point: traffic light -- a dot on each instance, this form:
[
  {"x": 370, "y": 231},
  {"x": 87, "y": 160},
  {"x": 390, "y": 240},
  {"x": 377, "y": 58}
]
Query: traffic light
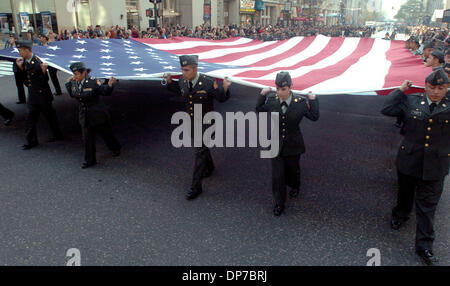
[
  {"x": 149, "y": 13},
  {"x": 155, "y": 1}
]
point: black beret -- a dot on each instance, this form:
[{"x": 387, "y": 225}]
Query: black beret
[
  {"x": 78, "y": 66},
  {"x": 428, "y": 45},
  {"x": 438, "y": 77},
  {"x": 439, "y": 44},
  {"x": 188, "y": 60},
  {"x": 283, "y": 79},
  {"x": 24, "y": 44},
  {"x": 438, "y": 54}
]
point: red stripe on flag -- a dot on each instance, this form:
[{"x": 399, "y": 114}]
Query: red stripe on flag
[
  {"x": 333, "y": 45},
  {"x": 289, "y": 53},
  {"x": 235, "y": 56},
  {"x": 409, "y": 91},
  {"x": 402, "y": 61},
  {"x": 317, "y": 76}
]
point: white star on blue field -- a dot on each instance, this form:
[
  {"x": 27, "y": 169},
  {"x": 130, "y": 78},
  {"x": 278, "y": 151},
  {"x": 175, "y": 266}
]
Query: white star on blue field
[{"x": 114, "y": 57}]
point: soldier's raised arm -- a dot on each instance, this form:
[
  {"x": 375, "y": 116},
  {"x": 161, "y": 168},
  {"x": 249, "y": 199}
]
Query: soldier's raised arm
[
  {"x": 262, "y": 99},
  {"x": 395, "y": 103},
  {"x": 171, "y": 84},
  {"x": 313, "y": 107},
  {"x": 221, "y": 93}
]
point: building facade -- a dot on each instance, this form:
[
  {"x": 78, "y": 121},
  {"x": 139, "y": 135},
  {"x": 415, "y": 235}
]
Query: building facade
[{"x": 42, "y": 15}]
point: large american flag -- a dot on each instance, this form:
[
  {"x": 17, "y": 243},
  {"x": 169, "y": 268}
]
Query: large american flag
[{"x": 323, "y": 65}]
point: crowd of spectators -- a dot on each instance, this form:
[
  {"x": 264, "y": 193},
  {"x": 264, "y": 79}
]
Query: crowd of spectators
[{"x": 263, "y": 33}]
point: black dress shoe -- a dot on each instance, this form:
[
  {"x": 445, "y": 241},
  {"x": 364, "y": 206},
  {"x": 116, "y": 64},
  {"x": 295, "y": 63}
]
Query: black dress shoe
[
  {"x": 57, "y": 93},
  {"x": 54, "y": 139},
  {"x": 278, "y": 210},
  {"x": 9, "y": 120},
  {"x": 396, "y": 224},
  {"x": 427, "y": 257},
  {"x": 87, "y": 165},
  {"x": 20, "y": 102},
  {"x": 116, "y": 153},
  {"x": 193, "y": 193},
  {"x": 293, "y": 193},
  {"x": 29, "y": 146}
]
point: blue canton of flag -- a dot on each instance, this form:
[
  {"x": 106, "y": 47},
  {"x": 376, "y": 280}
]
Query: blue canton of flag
[{"x": 122, "y": 59}]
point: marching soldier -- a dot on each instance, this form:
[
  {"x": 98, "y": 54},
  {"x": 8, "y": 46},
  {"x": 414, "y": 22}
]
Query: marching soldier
[
  {"x": 18, "y": 74},
  {"x": 423, "y": 157},
  {"x": 292, "y": 108},
  {"x": 7, "y": 115},
  {"x": 435, "y": 59},
  {"x": 19, "y": 78},
  {"x": 93, "y": 114},
  {"x": 39, "y": 95},
  {"x": 427, "y": 49},
  {"x": 200, "y": 89},
  {"x": 51, "y": 70}
]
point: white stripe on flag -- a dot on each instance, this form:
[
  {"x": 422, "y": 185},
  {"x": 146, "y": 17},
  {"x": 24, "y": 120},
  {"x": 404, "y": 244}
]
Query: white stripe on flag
[
  {"x": 346, "y": 49},
  {"x": 251, "y": 59},
  {"x": 368, "y": 73},
  {"x": 317, "y": 46},
  {"x": 228, "y": 51}
]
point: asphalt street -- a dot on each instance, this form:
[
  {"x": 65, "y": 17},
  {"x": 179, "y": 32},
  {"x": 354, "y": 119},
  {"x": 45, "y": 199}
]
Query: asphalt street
[{"x": 131, "y": 210}]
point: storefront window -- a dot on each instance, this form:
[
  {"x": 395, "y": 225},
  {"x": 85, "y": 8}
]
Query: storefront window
[
  {"x": 37, "y": 16},
  {"x": 247, "y": 10},
  {"x": 84, "y": 14},
  {"x": 25, "y": 18},
  {"x": 132, "y": 7},
  {"x": 46, "y": 16},
  {"x": 246, "y": 20},
  {"x": 6, "y": 21}
]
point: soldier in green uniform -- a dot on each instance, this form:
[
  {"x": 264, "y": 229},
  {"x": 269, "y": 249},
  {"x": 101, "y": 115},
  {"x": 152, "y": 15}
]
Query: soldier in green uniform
[
  {"x": 39, "y": 94},
  {"x": 93, "y": 114},
  {"x": 198, "y": 89},
  {"x": 423, "y": 157},
  {"x": 291, "y": 108}
]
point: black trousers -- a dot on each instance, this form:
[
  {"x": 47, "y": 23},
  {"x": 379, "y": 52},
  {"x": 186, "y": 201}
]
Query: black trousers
[
  {"x": 20, "y": 87},
  {"x": 105, "y": 131},
  {"x": 53, "y": 75},
  {"x": 203, "y": 163},
  {"x": 426, "y": 195},
  {"x": 285, "y": 172},
  {"x": 34, "y": 111},
  {"x": 5, "y": 112}
]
